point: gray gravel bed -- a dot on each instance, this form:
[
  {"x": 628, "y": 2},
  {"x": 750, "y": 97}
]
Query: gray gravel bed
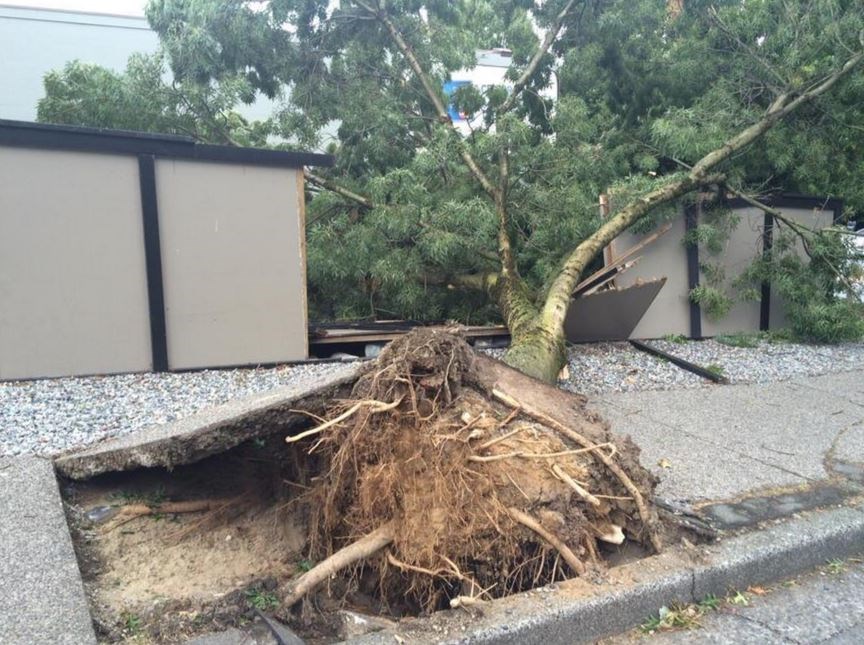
[
  {"x": 52, "y": 415},
  {"x": 601, "y": 368},
  {"x": 619, "y": 367},
  {"x": 768, "y": 362}
]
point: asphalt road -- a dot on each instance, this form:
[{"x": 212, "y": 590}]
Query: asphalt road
[{"x": 824, "y": 606}]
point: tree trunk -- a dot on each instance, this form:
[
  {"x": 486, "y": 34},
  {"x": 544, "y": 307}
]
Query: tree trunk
[
  {"x": 536, "y": 349},
  {"x": 538, "y": 352}
]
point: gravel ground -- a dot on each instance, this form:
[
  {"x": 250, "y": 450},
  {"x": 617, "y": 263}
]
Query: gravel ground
[
  {"x": 768, "y": 361},
  {"x": 53, "y": 415},
  {"x": 619, "y": 367},
  {"x": 600, "y": 368}
]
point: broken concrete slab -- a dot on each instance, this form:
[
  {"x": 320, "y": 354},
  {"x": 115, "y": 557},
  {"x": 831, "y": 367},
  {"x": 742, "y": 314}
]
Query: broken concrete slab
[
  {"x": 208, "y": 432},
  {"x": 43, "y": 599},
  {"x": 754, "y": 510}
]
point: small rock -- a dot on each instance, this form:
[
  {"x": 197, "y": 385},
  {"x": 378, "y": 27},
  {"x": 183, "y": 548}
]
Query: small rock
[{"x": 353, "y": 624}]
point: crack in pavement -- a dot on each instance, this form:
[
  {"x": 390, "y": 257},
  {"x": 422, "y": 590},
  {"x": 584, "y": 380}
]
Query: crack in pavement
[
  {"x": 776, "y": 632},
  {"x": 716, "y": 444},
  {"x": 828, "y": 458},
  {"x": 826, "y": 391}
]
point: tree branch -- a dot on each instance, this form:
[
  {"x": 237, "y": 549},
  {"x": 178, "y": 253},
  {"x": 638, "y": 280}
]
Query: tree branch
[
  {"x": 760, "y": 60},
  {"x": 505, "y": 248},
  {"x": 431, "y": 92},
  {"x": 497, "y": 193},
  {"x": 339, "y": 190},
  {"x": 558, "y": 297},
  {"x": 528, "y": 72},
  {"x": 804, "y": 234}
]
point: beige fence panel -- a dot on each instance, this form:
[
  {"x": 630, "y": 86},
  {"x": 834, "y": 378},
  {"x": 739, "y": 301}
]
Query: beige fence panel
[
  {"x": 127, "y": 252},
  {"x": 73, "y": 296},
  {"x": 231, "y": 263},
  {"x": 668, "y": 257}
]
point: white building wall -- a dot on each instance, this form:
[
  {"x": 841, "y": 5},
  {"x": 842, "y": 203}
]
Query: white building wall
[{"x": 34, "y": 42}]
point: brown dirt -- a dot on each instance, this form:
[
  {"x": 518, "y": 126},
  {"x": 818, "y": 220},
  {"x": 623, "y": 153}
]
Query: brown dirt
[
  {"x": 180, "y": 573},
  {"x": 422, "y": 465}
]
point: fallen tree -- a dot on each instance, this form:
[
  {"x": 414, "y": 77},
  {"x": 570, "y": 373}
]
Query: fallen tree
[
  {"x": 448, "y": 477},
  {"x": 424, "y": 218}
]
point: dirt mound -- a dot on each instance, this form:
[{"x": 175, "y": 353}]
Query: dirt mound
[{"x": 437, "y": 487}]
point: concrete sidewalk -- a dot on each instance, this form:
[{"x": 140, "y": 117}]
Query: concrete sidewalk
[
  {"x": 722, "y": 442},
  {"x": 825, "y": 606}
]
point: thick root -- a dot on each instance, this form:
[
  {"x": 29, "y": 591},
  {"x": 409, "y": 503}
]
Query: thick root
[{"x": 351, "y": 554}]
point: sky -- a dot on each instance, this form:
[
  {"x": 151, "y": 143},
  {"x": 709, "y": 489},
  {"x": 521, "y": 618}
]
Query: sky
[{"x": 120, "y": 7}]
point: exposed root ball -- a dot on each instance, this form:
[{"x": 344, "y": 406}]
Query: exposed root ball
[{"x": 482, "y": 497}]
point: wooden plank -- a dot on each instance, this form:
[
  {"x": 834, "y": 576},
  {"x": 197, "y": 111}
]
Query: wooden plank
[
  {"x": 301, "y": 220},
  {"x": 353, "y": 335},
  {"x": 621, "y": 259}
]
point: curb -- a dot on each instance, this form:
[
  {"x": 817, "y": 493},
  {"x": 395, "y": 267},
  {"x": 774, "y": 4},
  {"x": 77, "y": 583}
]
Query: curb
[
  {"x": 580, "y": 611},
  {"x": 43, "y": 599}
]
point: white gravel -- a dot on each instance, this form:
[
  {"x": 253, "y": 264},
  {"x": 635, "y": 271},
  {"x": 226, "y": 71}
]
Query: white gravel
[
  {"x": 52, "y": 415},
  {"x": 619, "y": 367},
  {"x": 768, "y": 361},
  {"x": 600, "y": 368}
]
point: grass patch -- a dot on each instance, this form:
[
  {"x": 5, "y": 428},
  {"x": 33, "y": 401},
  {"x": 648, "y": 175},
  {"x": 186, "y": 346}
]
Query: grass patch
[
  {"x": 132, "y": 623},
  {"x": 739, "y": 598},
  {"x": 678, "y": 339},
  {"x": 305, "y": 565},
  {"x": 262, "y": 600},
  {"x": 716, "y": 370},
  {"x": 748, "y": 341},
  {"x": 150, "y": 498},
  {"x": 680, "y": 616}
]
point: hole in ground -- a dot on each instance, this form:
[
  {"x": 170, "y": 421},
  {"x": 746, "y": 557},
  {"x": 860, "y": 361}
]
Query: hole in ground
[{"x": 173, "y": 576}]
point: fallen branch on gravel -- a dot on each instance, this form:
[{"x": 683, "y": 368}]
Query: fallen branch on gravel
[
  {"x": 375, "y": 408},
  {"x": 529, "y": 522},
  {"x": 363, "y": 548},
  {"x": 614, "y": 468}
]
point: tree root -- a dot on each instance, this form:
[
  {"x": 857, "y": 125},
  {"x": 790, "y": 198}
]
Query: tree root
[
  {"x": 572, "y": 483},
  {"x": 529, "y": 522},
  {"x": 614, "y": 468},
  {"x": 360, "y": 550},
  {"x": 129, "y": 512},
  {"x": 376, "y": 407}
]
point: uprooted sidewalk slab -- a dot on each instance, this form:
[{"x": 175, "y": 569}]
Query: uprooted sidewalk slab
[
  {"x": 208, "y": 432},
  {"x": 731, "y": 442}
]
